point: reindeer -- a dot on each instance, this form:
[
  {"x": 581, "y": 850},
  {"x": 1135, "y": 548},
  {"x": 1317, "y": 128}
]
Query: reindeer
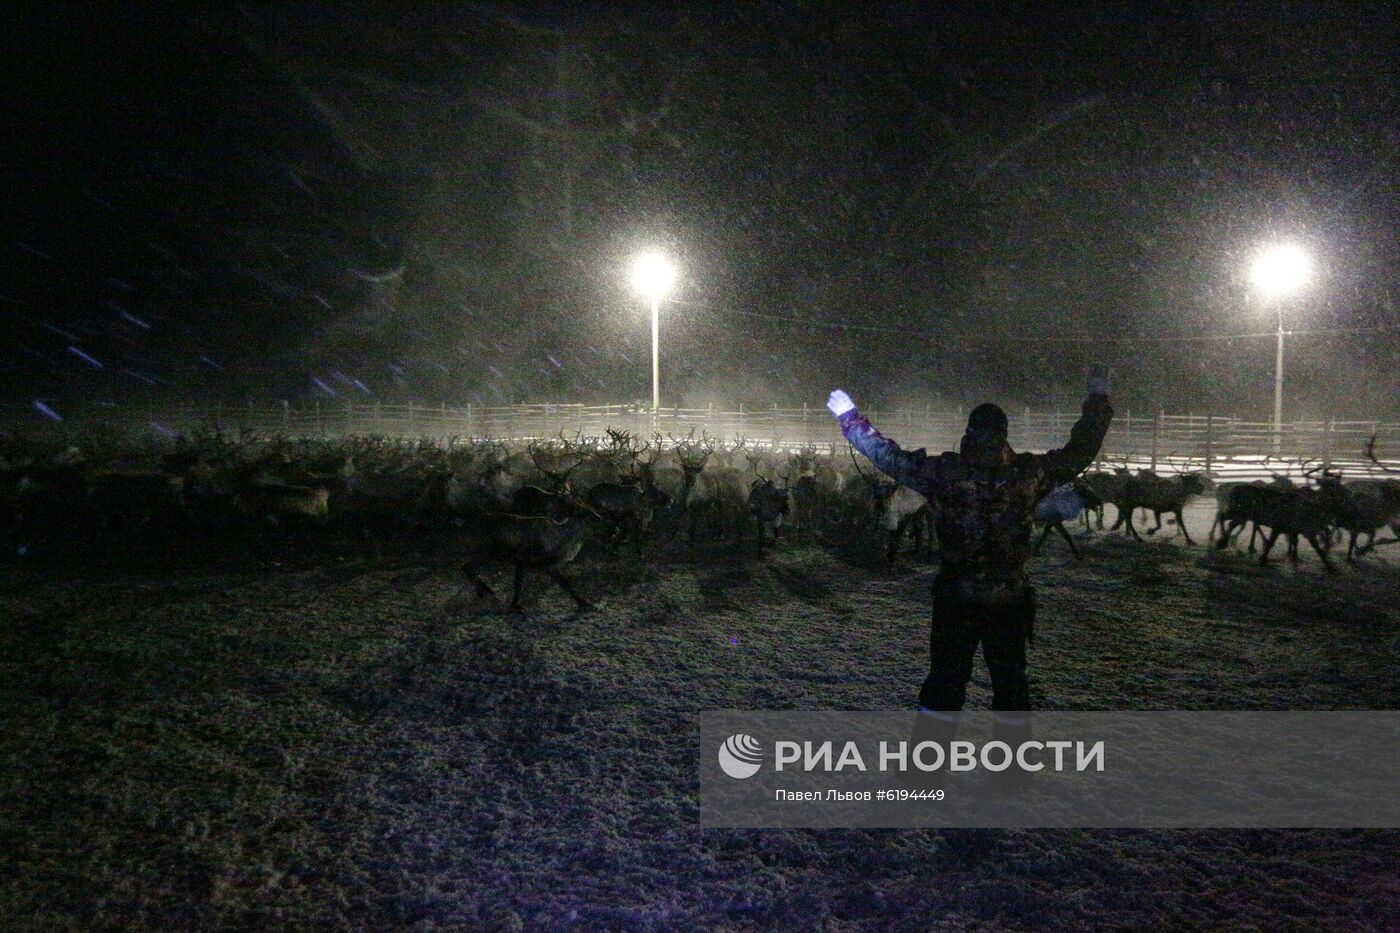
[
  {"x": 660, "y": 480},
  {"x": 720, "y": 492},
  {"x": 696, "y": 495},
  {"x": 609, "y": 462},
  {"x": 538, "y": 500},
  {"x": 274, "y": 504},
  {"x": 768, "y": 504},
  {"x": 806, "y": 502},
  {"x": 134, "y": 502},
  {"x": 1224, "y": 495},
  {"x": 48, "y": 496},
  {"x": 816, "y": 485},
  {"x": 1064, "y": 504},
  {"x": 543, "y": 543},
  {"x": 628, "y": 504},
  {"x": 897, "y": 509},
  {"x": 1371, "y": 505},
  {"x": 1161, "y": 495},
  {"x": 1309, "y": 513},
  {"x": 1293, "y": 512},
  {"x": 1106, "y": 488},
  {"x": 483, "y": 481}
]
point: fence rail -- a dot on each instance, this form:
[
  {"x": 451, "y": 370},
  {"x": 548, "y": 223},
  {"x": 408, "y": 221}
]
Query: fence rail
[{"x": 1248, "y": 449}]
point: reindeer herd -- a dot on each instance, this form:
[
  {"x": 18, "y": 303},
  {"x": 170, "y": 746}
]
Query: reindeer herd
[
  {"x": 534, "y": 507},
  {"x": 1317, "y": 509}
]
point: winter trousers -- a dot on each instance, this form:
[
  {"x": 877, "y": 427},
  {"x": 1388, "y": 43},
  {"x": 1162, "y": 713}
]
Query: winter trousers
[{"x": 1003, "y": 628}]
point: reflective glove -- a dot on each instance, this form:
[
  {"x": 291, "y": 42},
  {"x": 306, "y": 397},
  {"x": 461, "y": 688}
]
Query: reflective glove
[
  {"x": 839, "y": 403},
  {"x": 1098, "y": 379}
]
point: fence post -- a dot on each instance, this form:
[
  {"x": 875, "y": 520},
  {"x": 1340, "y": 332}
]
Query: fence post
[
  {"x": 1156, "y": 427},
  {"x": 1327, "y": 445},
  {"x": 1210, "y": 441}
]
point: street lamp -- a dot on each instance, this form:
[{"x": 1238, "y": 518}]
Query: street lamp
[
  {"x": 1278, "y": 272},
  {"x": 653, "y": 275}
]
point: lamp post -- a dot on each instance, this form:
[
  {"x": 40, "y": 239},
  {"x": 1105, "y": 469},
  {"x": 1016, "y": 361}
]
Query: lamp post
[
  {"x": 653, "y": 275},
  {"x": 1278, "y": 272}
]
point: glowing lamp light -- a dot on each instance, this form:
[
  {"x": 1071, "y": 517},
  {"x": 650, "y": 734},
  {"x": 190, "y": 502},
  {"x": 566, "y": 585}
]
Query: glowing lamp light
[
  {"x": 1280, "y": 270},
  {"x": 653, "y": 275}
]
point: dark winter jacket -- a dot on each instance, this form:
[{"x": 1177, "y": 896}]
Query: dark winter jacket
[{"x": 984, "y": 507}]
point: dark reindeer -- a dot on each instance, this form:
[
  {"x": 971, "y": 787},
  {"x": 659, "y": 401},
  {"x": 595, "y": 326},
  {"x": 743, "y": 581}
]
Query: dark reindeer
[{"x": 898, "y": 509}]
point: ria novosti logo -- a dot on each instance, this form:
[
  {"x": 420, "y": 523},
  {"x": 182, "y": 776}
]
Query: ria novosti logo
[{"x": 740, "y": 756}]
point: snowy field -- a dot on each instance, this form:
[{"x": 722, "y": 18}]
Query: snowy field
[{"x": 343, "y": 739}]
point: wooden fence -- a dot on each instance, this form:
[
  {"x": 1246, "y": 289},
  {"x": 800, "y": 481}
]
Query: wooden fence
[{"x": 1248, "y": 449}]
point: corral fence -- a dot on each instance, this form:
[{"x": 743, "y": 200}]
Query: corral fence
[{"x": 1218, "y": 443}]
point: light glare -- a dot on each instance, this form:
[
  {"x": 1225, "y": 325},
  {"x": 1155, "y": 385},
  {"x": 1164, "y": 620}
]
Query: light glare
[
  {"x": 1280, "y": 270},
  {"x": 653, "y": 275}
]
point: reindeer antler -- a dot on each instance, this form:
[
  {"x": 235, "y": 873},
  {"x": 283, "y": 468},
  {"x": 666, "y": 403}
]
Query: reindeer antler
[
  {"x": 692, "y": 454},
  {"x": 1371, "y": 455},
  {"x": 852, "y": 450},
  {"x": 621, "y": 441}
]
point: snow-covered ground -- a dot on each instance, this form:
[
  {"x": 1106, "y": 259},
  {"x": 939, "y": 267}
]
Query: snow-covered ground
[{"x": 340, "y": 739}]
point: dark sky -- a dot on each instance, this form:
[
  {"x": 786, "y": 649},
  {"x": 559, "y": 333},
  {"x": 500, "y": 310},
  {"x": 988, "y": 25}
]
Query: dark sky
[{"x": 367, "y": 202}]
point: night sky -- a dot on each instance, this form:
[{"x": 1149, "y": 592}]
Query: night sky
[{"x": 356, "y": 201}]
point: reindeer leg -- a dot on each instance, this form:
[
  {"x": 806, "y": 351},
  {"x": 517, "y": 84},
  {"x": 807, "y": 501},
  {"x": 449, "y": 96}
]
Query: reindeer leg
[
  {"x": 1181, "y": 524},
  {"x": 1131, "y": 529},
  {"x": 1254, "y": 532},
  {"x": 1158, "y": 526},
  {"x": 895, "y": 537},
  {"x": 518, "y": 589},
  {"x": 1060, "y": 527},
  {"x": 1269, "y": 540},
  {"x": 558, "y": 577},
  {"x": 1223, "y": 541},
  {"x": 1041, "y": 543},
  {"x": 481, "y": 588},
  {"x": 1231, "y": 532},
  {"x": 1322, "y": 553}
]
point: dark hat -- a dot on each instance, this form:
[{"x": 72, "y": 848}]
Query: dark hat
[{"x": 987, "y": 417}]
